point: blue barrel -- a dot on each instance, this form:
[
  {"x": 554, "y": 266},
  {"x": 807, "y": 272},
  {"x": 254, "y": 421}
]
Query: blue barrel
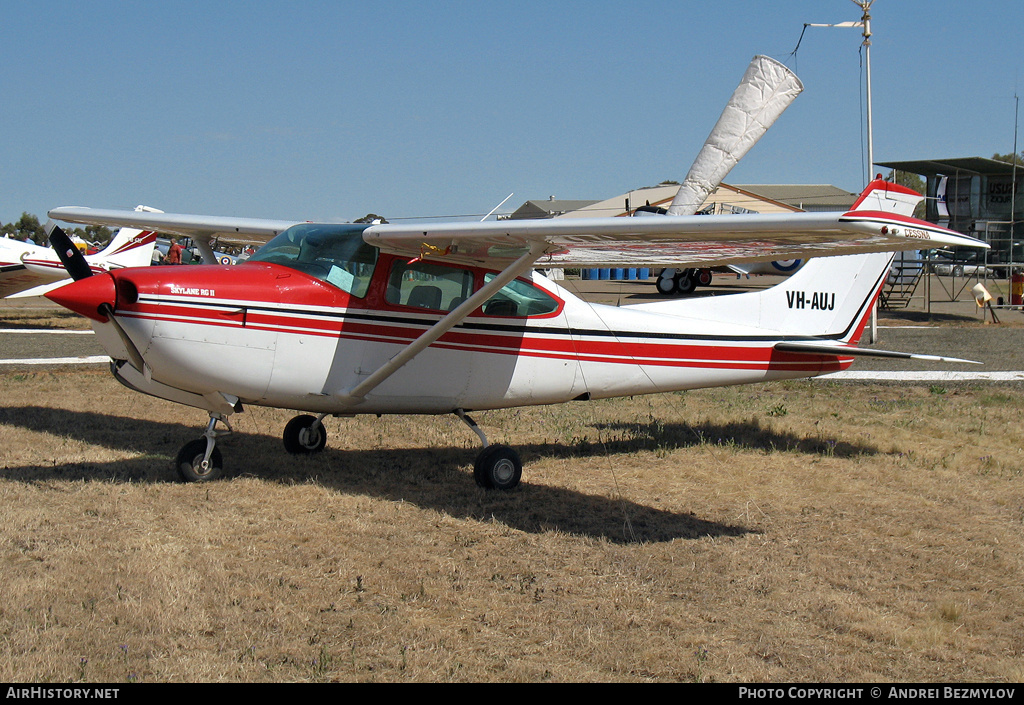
[
  {"x": 631, "y": 274},
  {"x": 587, "y": 274},
  {"x": 644, "y": 273},
  {"x": 604, "y": 273},
  {"x": 618, "y": 273}
]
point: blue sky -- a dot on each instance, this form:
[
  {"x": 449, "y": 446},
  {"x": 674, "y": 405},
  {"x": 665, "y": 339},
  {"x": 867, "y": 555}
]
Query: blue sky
[{"x": 330, "y": 110}]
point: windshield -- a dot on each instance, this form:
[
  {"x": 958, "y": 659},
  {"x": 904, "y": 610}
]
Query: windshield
[{"x": 334, "y": 253}]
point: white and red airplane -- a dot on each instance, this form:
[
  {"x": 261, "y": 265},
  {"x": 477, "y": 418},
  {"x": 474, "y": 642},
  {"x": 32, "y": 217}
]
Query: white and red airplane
[
  {"x": 27, "y": 269},
  {"x": 439, "y": 318}
]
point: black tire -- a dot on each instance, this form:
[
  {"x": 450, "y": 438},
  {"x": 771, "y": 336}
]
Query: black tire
[
  {"x": 304, "y": 435},
  {"x": 666, "y": 285},
  {"x": 190, "y": 459},
  {"x": 498, "y": 468},
  {"x": 686, "y": 282}
]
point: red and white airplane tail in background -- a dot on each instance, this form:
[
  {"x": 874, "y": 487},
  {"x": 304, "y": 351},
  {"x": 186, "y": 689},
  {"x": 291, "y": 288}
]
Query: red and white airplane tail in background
[
  {"x": 130, "y": 247},
  {"x": 42, "y": 272}
]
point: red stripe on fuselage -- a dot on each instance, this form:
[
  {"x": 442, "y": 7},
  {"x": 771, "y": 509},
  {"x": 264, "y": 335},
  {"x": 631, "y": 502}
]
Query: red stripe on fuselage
[
  {"x": 240, "y": 297},
  {"x": 535, "y": 343}
]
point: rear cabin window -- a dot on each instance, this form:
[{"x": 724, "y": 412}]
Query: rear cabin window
[
  {"x": 436, "y": 287},
  {"x": 439, "y": 287}
]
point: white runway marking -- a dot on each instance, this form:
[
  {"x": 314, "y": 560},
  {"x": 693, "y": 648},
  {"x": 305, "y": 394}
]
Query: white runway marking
[
  {"x": 47, "y": 330},
  {"x": 926, "y": 376},
  {"x": 92, "y": 359}
]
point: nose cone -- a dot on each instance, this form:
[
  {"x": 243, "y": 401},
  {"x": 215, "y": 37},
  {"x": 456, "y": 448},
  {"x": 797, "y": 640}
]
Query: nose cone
[{"x": 85, "y": 296}]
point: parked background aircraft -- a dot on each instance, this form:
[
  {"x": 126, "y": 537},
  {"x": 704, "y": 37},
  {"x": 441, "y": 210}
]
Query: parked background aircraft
[
  {"x": 26, "y": 269},
  {"x": 685, "y": 280}
]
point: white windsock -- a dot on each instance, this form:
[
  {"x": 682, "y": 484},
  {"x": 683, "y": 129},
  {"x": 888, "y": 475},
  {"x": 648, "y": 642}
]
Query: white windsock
[{"x": 765, "y": 92}]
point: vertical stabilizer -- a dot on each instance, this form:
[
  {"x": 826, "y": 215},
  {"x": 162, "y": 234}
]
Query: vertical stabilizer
[
  {"x": 883, "y": 196},
  {"x": 130, "y": 247}
]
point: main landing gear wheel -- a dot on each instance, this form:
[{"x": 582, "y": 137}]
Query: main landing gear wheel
[
  {"x": 305, "y": 435},
  {"x": 681, "y": 281},
  {"x": 193, "y": 466},
  {"x": 666, "y": 285},
  {"x": 498, "y": 468},
  {"x": 686, "y": 282}
]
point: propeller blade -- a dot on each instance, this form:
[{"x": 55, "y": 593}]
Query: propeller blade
[{"x": 70, "y": 256}]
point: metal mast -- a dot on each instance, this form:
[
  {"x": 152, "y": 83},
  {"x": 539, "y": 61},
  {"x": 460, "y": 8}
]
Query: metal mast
[
  {"x": 865, "y": 6},
  {"x": 865, "y": 24}
]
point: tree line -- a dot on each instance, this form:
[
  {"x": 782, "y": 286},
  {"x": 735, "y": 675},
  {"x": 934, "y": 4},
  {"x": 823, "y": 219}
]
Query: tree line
[{"x": 28, "y": 228}]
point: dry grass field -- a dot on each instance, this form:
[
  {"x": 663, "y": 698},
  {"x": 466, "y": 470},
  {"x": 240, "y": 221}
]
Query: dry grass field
[{"x": 807, "y": 531}]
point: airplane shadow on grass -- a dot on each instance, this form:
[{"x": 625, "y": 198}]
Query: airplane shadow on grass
[{"x": 435, "y": 478}]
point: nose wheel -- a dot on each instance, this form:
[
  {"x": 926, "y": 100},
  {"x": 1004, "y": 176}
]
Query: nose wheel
[
  {"x": 200, "y": 460},
  {"x": 194, "y": 466}
]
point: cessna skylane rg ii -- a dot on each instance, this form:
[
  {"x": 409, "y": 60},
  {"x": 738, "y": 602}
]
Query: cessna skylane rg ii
[
  {"x": 26, "y": 269},
  {"x": 349, "y": 319},
  {"x": 450, "y": 318}
]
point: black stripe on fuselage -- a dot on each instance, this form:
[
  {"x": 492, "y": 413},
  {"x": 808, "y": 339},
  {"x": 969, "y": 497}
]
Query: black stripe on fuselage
[{"x": 520, "y": 329}]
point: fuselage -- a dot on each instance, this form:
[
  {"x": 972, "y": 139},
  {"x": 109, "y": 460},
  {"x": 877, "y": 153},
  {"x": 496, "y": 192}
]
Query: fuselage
[{"x": 317, "y": 311}]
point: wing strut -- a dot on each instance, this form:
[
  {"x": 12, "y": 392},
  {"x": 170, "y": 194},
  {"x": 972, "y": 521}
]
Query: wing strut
[{"x": 455, "y": 317}]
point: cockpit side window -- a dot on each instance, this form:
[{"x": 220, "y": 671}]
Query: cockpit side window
[
  {"x": 519, "y": 299},
  {"x": 333, "y": 253}
]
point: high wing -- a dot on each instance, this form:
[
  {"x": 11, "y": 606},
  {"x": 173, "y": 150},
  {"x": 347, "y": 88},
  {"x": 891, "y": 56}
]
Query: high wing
[
  {"x": 668, "y": 240},
  {"x": 592, "y": 242},
  {"x": 203, "y": 229}
]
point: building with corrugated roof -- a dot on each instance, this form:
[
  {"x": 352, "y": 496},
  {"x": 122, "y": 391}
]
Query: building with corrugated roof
[
  {"x": 805, "y": 197},
  {"x": 551, "y": 208},
  {"x": 727, "y": 198}
]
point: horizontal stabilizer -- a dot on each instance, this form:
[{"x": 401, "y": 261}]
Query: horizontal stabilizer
[{"x": 829, "y": 349}]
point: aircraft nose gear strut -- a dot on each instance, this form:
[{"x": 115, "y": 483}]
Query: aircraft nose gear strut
[
  {"x": 200, "y": 460},
  {"x": 497, "y": 467}
]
